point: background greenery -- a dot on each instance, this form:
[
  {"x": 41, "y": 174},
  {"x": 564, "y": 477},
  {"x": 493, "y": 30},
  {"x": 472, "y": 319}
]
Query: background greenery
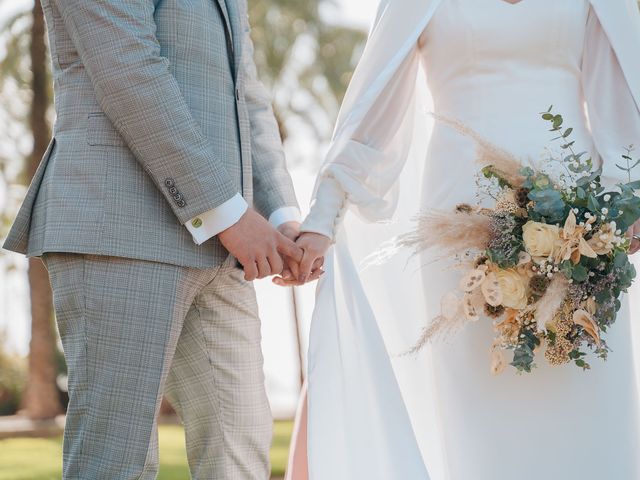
[{"x": 17, "y": 455}]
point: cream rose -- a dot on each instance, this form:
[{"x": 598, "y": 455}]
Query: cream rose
[
  {"x": 540, "y": 239},
  {"x": 513, "y": 287}
]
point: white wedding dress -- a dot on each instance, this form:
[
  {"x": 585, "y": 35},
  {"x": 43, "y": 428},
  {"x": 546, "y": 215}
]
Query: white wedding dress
[{"x": 493, "y": 66}]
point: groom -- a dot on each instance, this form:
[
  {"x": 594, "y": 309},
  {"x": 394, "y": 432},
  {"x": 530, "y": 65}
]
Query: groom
[{"x": 165, "y": 164}]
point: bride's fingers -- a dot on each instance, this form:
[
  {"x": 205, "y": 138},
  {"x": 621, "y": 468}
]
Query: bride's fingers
[
  {"x": 305, "y": 266},
  {"x": 319, "y": 263},
  {"x": 315, "y": 275},
  {"x": 283, "y": 282}
]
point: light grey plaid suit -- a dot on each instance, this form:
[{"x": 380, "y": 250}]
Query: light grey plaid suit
[{"x": 160, "y": 118}]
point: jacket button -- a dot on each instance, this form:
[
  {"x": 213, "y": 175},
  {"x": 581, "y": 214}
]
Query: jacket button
[
  {"x": 181, "y": 203},
  {"x": 169, "y": 182},
  {"x": 177, "y": 197},
  {"x": 173, "y": 190},
  {"x": 196, "y": 222}
]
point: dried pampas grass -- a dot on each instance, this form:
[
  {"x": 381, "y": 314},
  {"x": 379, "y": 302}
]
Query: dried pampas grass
[
  {"x": 450, "y": 320},
  {"x": 451, "y": 233},
  {"x": 503, "y": 163},
  {"x": 550, "y": 303}
]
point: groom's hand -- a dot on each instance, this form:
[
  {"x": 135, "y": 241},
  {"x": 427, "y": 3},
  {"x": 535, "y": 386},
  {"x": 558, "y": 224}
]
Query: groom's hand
[
  {"x": 291, "y": 230},
  {"x": 258, "y": 246}
]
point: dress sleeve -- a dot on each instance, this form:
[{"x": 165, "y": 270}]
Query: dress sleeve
[
  {"x": 613, "y": 113},
  {"x": 371, "y": 161}
]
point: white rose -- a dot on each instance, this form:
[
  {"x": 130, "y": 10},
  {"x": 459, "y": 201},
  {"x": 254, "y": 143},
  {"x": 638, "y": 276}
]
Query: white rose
[
  {"x": 513, "y": 288},
  {"x": 540, "y": 239}
]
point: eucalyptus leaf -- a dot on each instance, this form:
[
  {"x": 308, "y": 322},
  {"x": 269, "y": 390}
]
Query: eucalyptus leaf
[
  {"x": 548, "y": 203},
  {"x": 593, "y": 203},
  {"x": 630, "y": 206},
  {"x": 580, "y": 273}
]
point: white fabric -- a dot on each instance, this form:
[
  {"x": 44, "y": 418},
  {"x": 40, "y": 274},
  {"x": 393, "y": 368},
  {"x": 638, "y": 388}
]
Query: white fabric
[
  {"x": 285, "y": 215},
  {"x": 211, "y": 223},
  {"x": 494, "y": 66},
  {"x": 328, "y": 212}
]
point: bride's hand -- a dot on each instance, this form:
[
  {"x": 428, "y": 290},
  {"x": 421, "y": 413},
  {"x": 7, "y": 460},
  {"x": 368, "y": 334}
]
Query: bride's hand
[
  {"x": 314, "y": 246},
  {"x": 634, "y": 231}
]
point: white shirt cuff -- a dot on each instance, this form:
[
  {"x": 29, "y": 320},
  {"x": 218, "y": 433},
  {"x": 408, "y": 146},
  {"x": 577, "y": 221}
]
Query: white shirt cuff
[
  {"x": 284, "y": 215},
  {"x": 211, "y": 223}
]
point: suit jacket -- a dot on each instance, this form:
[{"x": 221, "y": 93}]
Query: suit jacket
[{"x": 160, "y": 118}]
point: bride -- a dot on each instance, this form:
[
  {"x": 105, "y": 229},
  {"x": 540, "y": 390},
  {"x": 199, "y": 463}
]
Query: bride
[{"x": 492, "y": 65}]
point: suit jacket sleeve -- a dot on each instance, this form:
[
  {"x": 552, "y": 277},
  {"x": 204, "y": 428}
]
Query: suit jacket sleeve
[
  {"x": 116, "y": 42},
  {"x": 272, "y": 185}
]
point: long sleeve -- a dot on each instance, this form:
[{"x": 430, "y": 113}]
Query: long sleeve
[
  {"x": 137, "y": 92},
  {"x": 218, "y": 219},
  {"x": 371, "y": 161},
  {"x": 272, "y": 185},
  {"x": 613, "y": 113}
]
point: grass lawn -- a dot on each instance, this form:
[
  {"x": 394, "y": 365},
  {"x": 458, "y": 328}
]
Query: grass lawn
[{"x": 41, "y": 458}]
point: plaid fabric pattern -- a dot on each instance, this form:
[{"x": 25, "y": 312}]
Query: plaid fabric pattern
[
  {"x": 160, "y": 117},
  {"x": 129, "y": 329}
]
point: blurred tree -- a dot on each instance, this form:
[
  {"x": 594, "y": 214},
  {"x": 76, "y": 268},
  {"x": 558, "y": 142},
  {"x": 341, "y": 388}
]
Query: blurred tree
[
  {"x": 305, "y": 61},
  {"x": 41, "y": 398},
  {"x": 24, "y": 76}
]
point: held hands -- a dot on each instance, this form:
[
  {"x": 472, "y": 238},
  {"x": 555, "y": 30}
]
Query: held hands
[
  {"x": 264, "y": 251},
  {"x": 261, "y": 249},
  {"x": 309, "y": 269}
]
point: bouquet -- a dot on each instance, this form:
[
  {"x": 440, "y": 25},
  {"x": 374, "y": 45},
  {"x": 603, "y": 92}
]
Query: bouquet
[{"x": 547, "y": 263}]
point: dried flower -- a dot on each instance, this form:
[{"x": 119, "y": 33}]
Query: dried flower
[
  {"x": 604, "y": 239},
  {"x": 548, "y": 306},
  {"x": 522, "y": 197},
  {"x": 538, "y": 285},
  {"x": 493, "y": 312},
  {"x": 498, "y": 361},
  {"x": 558, "y": 353},
  {"x": 503, "y": 163},
  {"x": 572, "y": 243}
]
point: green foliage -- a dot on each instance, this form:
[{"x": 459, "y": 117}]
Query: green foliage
[
  {"x": 17, "y": 455},
  {"x": 506, "y": 243},
  {"x": 13, "y": 375},
  {"x": 524, "y": 352},
  {"x": 549, "y": 205},
  {"x": 305, "y": 61}
]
